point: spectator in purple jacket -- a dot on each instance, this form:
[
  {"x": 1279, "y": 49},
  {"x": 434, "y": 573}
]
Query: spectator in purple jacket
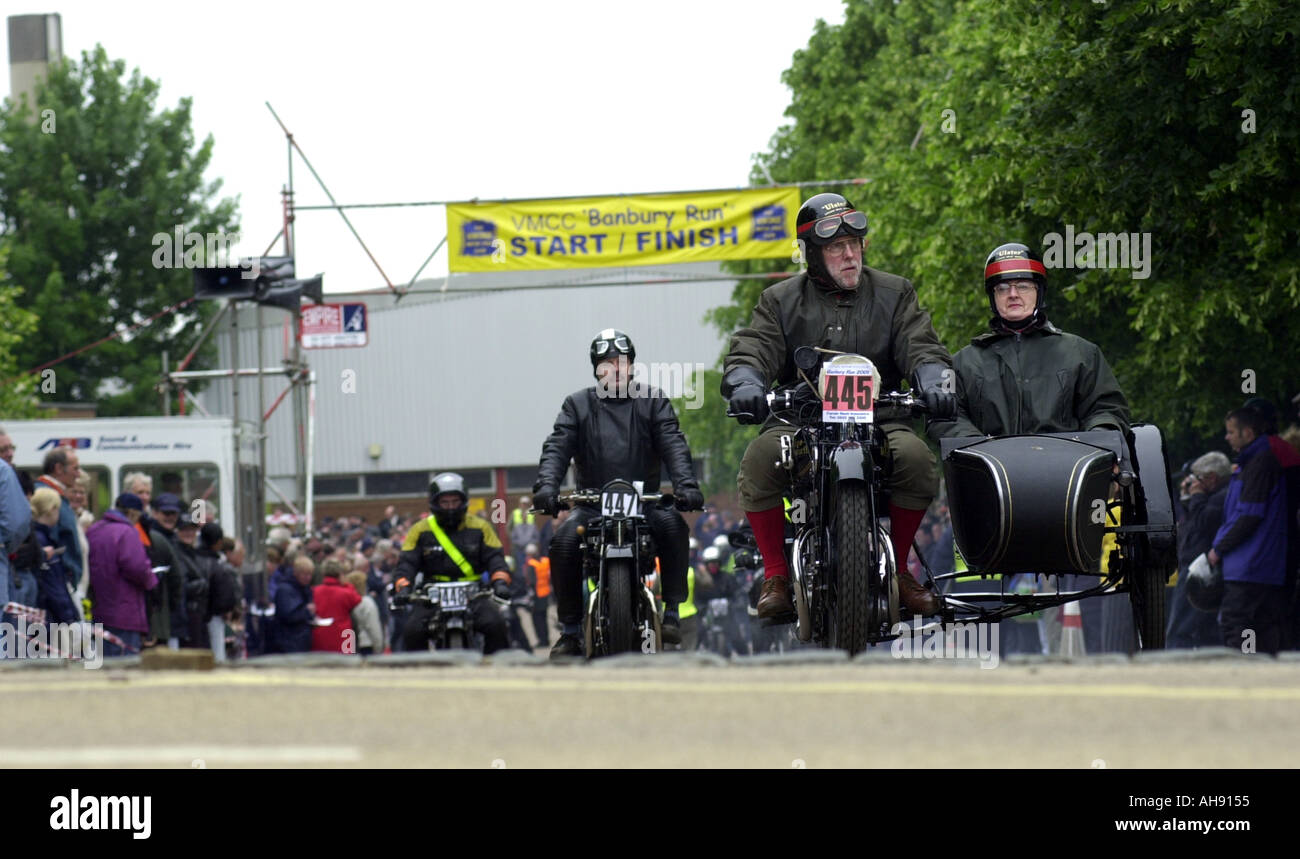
[
  {"x": 120, "y": 573},
  {"x": 1251, "y": 542}
]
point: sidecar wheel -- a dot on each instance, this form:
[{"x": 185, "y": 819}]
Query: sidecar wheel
[{"x": 1147, "y": 596}]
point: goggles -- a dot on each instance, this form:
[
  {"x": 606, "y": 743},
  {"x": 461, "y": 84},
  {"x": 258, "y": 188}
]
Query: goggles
[
  {"x": 619, "y": 345},
  {"x": 825, "y": 228}
]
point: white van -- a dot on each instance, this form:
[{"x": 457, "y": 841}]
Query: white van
[{"x": 192, "y": 457}]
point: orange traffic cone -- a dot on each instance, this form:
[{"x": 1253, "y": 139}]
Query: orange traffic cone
[{"x": 1072, "y": 630}]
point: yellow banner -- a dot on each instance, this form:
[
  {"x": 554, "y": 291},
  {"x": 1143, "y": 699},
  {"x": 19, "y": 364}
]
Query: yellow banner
[{"x": 645, "y": 229}]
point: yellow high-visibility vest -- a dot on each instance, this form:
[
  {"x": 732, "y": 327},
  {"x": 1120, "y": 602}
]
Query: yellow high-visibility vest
[{"x": 688, "y": 609}]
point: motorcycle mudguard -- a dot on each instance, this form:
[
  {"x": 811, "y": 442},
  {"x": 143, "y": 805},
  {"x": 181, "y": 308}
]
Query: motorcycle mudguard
[
  {"x": 619, "y": 552},
  {"x": 849, "y": 461},
  {"x": 1153, "y": 477}
]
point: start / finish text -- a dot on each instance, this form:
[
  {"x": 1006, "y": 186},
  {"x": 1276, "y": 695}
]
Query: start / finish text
[{"x": 639, "y": 242}]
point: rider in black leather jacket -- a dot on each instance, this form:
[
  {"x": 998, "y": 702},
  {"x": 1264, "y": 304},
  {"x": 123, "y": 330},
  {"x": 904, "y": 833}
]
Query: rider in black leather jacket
[{"x": 616, "y": 429}]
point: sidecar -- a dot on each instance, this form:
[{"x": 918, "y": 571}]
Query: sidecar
[{"x": 1043, "y": 504}]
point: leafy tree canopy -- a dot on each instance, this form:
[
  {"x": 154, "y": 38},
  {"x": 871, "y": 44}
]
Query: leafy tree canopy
[{"x": 88, "y": 179}]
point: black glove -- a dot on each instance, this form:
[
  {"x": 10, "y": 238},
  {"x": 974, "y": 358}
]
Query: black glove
[
  {"x": 547, "y": 499},
  {"x": 501, "y": 589},
  {"x": 746, "y": 395},
  {"x": 688, "y": 499},
  {"x": 937, "y": 387}
]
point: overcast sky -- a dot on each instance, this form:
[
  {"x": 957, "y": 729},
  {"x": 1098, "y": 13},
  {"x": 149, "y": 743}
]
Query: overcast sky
[{"x": 451, "y": 101}]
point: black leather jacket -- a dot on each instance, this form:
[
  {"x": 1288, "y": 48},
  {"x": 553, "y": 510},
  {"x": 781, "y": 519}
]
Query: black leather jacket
[{"x": 632, "y": 438}]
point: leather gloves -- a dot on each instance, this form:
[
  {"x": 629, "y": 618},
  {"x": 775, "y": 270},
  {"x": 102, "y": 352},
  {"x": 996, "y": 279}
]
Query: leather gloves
[
  {"x": 746, "y": 393},
  {"x": 547, "y": 499},
  {"x": 937, "y": 387},
  {"x": 689, "y": 499}
]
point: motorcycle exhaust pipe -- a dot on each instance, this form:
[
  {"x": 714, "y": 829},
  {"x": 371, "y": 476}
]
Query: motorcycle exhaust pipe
[{"x": 803, "y": 631}]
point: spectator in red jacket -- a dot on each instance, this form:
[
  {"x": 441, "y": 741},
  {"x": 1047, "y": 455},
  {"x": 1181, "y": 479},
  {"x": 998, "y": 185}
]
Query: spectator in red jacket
[
  {"x": 120, "y": 573},
  {"x": 334, "y": 599}
]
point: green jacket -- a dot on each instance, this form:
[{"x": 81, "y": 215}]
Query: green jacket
[
  {"x": 881, "y": 320},
  {"x": 1039, "y": 382}
]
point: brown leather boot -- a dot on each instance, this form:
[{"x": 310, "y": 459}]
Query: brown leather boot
[
  {"x": 917, "y": 599},
  {"x": 775, "y": 601}
]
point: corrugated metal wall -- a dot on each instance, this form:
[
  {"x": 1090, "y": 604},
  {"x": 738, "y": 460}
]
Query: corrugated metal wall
[{"x": 467, "y": 381}]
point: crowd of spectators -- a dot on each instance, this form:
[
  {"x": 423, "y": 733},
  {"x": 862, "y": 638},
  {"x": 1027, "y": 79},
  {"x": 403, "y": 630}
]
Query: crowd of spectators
[{"x": 156, "y": 575}]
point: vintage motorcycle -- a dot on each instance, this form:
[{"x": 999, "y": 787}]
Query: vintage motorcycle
[
  {"x": 1039, "y": 504},
  {"x": 451, "y": 625},
  {"x": 618, "y": 556},
  {"x": 840, "y": 556}
]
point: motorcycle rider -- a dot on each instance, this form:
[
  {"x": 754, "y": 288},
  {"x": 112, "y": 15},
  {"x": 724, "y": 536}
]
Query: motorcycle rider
[
  {"x": 841, "y": 304},
  {"x": 1025, "y": 375},
  {"x": 453, "y": 545},
  {"x": 611, "y": 431},
  {"x": 714, "y": 581}
]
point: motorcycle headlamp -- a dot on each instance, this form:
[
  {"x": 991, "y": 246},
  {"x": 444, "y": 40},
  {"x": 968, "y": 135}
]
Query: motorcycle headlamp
[{"x": 841, "y": 360}]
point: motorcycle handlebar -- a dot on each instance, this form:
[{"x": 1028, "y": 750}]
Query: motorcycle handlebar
[
  {"x": 790, "y": 398},
  {"x": 592, "y": 496}
]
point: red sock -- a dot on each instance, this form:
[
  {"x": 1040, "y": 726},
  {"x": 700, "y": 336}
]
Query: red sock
[
  {"x": 902, "y": 528},
  {"x": 769, "y": 532}
]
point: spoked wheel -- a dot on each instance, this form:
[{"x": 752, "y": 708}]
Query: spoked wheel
[
  {"x": 856, "y": 576},
  {"x": 622, "y": 631}
]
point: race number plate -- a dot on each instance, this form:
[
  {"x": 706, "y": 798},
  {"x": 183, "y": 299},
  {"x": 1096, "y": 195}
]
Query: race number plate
[
  {"x": 848, "y": 394},
  {"x": 454, "y": 595},
  {"x": 620, "y": 504}
]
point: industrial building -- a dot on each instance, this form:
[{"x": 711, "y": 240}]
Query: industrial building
[{"x": 469, "y": 381}]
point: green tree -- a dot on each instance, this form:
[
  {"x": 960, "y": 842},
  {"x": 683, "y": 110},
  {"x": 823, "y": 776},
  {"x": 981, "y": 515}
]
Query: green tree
[
  {"x": 17, "y": 399},
  {"x": 987, "y": 121},
  {"x": 717, "y": 442},
  {"x": 87, "y": 180}
]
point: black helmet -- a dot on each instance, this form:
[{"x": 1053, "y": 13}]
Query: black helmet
[
  {"x": 1014, "y": 261},
  {"x": 443, "y": 484},
  {"x": 608, "y": 343},
  {"x": 826, "y": 217},
  {"x": 821, "y": 220},
  {"x": 1205, "y": 596}
]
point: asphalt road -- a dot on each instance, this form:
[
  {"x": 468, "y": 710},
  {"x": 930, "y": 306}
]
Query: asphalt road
[{"x": 665, "y": 711}]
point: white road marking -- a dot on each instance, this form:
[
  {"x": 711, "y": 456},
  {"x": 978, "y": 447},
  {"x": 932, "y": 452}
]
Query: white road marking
[
  {"x": 198, "y": 755},
  {"x": 543, "y": 682}
]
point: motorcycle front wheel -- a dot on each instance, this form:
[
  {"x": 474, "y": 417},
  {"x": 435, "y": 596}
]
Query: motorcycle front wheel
[
  {"x": 620, "y": 607},
  {"x": 855, "y": 574}
]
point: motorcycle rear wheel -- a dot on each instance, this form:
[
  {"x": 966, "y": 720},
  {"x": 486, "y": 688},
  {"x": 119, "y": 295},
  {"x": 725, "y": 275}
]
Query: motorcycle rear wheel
[{"x": 855, "y": 574}]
